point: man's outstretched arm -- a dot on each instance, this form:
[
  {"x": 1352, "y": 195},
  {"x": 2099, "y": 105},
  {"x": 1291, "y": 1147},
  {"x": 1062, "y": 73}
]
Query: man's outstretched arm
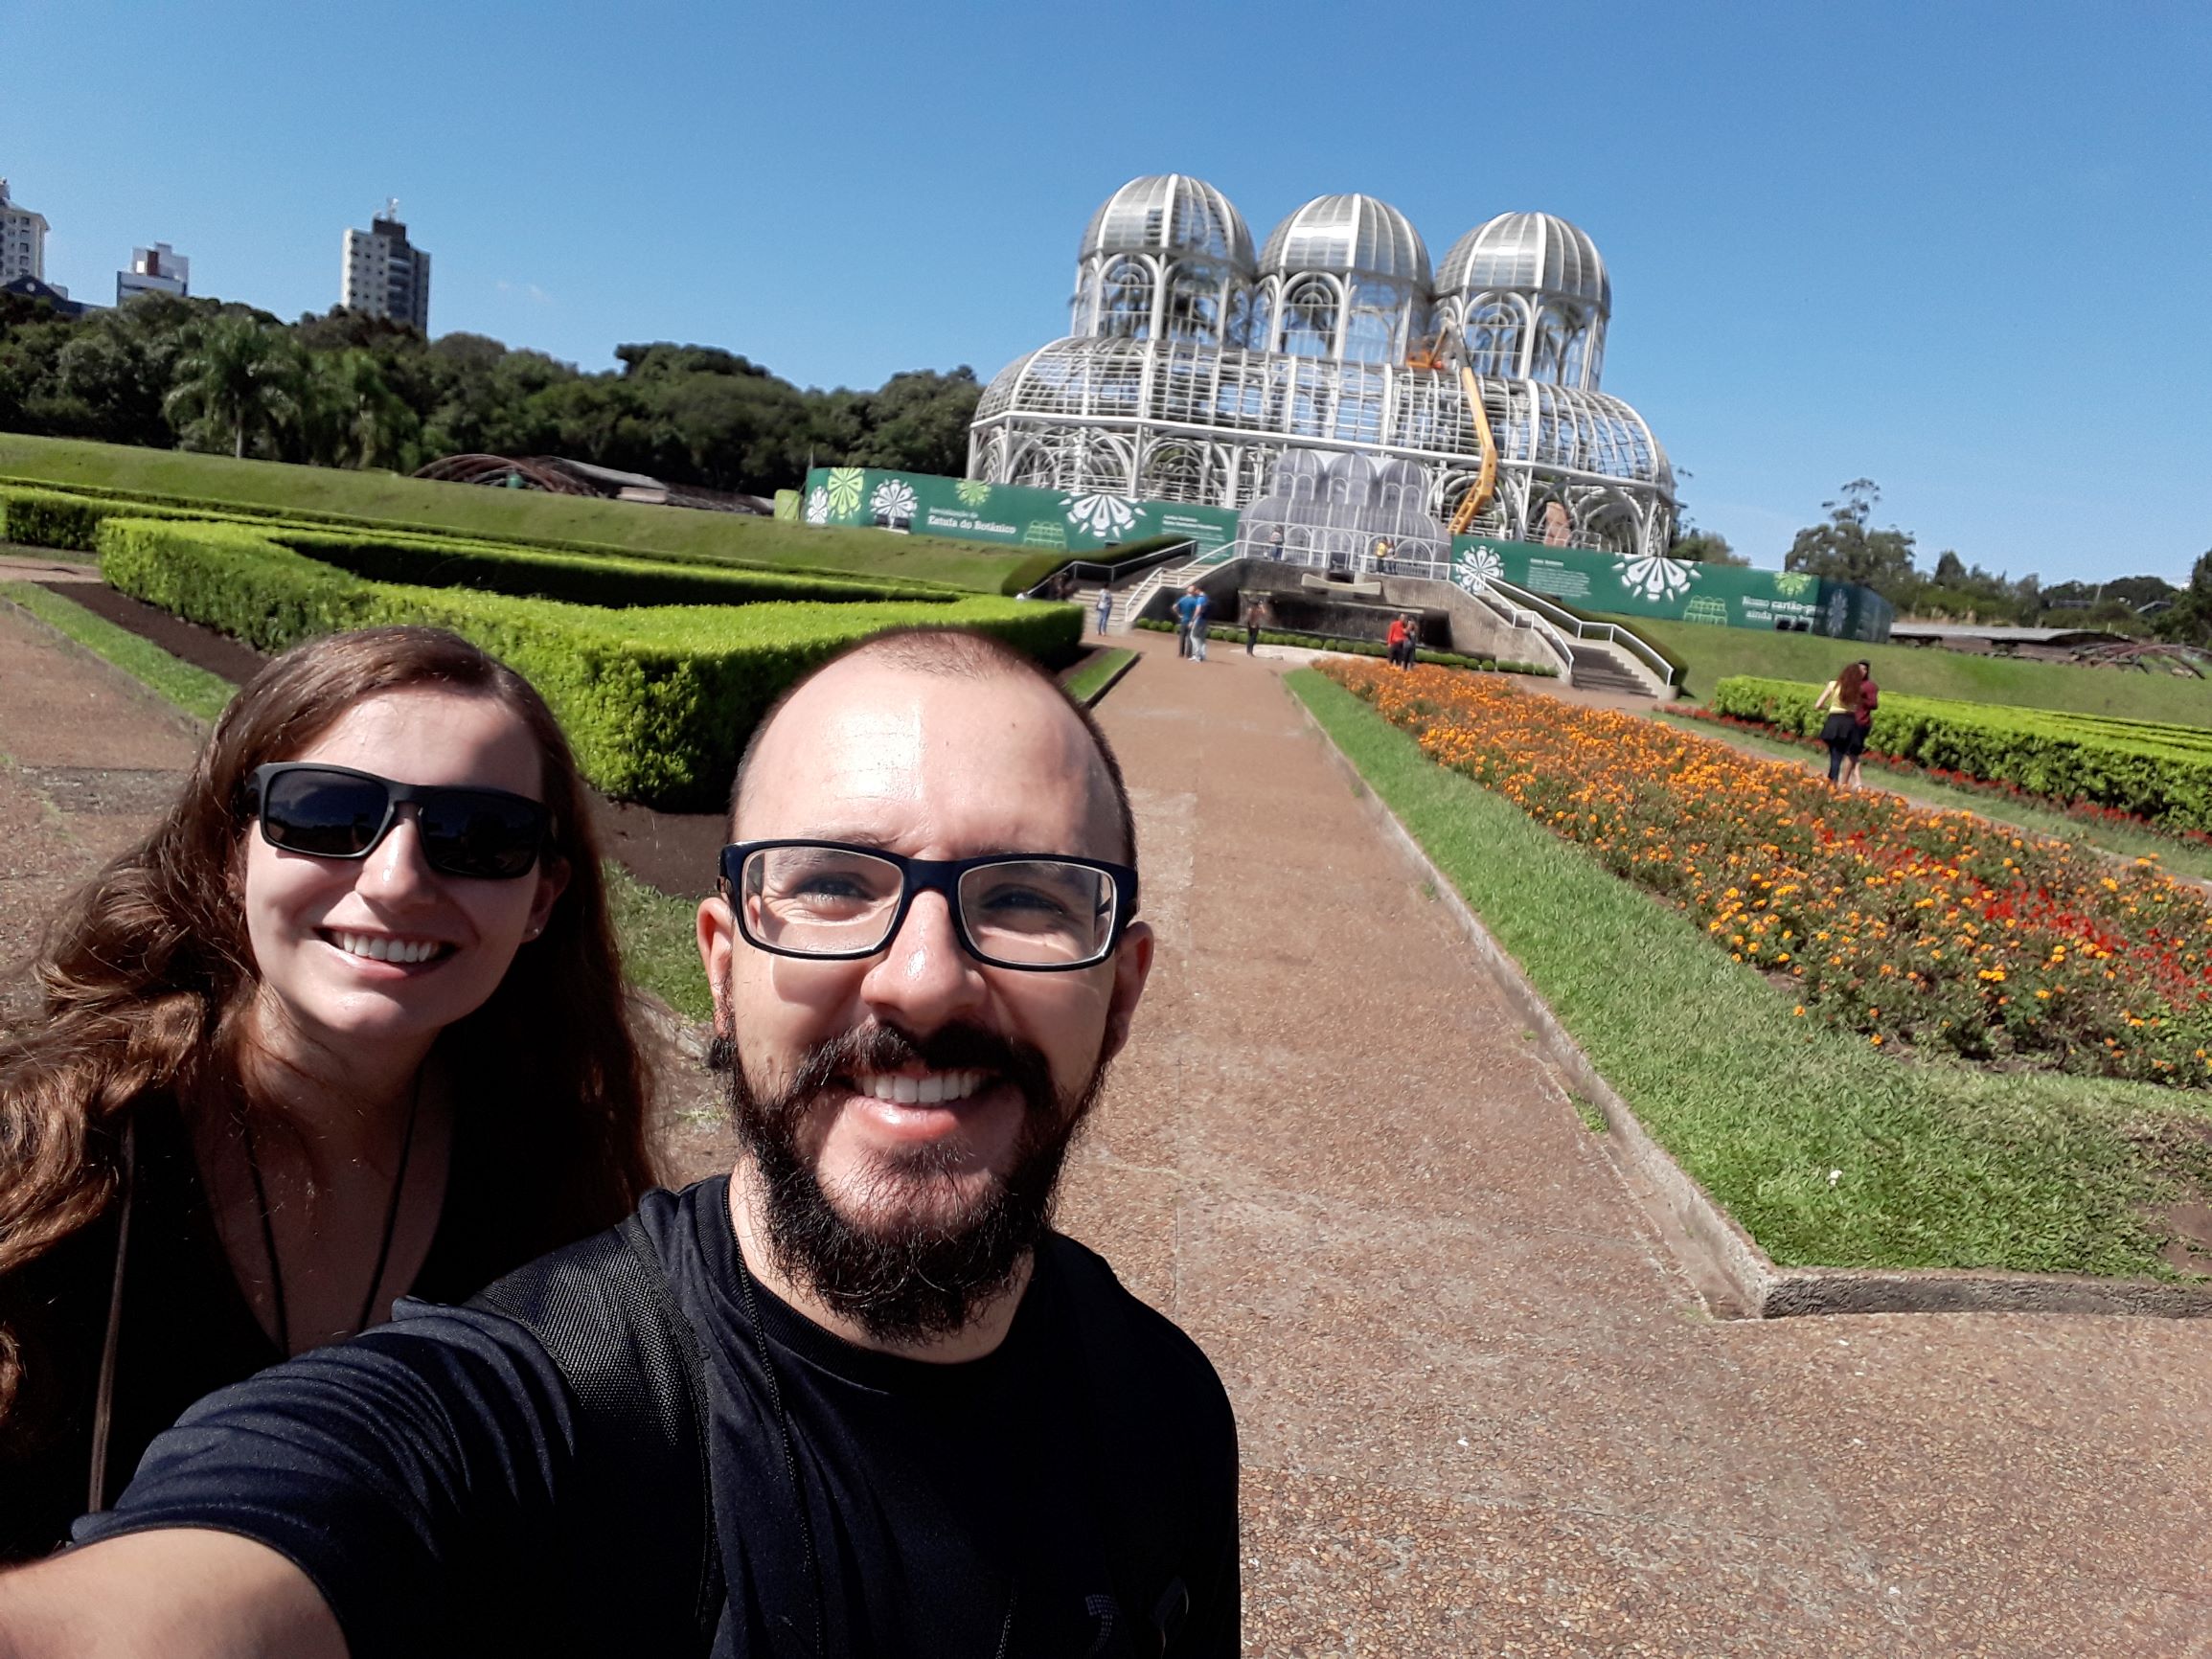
[
  {"x": 363, "y": 1494},
  {"x": 181, "y": 1594}
]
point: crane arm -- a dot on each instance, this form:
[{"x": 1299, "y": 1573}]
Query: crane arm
[{"x": 1486, "y": 481}]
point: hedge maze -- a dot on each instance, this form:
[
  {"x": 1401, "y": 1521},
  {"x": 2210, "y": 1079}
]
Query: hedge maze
[{"x": 657, "y": 669}]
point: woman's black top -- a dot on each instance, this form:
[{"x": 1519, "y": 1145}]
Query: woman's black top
[{"x": 186, "y": 1328}]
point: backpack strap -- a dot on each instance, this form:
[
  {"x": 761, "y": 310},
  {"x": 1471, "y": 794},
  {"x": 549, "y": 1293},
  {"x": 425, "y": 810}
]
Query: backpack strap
[{"x": 601, "y": 1311}]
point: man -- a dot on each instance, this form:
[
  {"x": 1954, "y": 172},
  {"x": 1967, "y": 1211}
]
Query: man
[
  {"x": 1191, "y": 620},
  {"x": 929, "y": 1423}
]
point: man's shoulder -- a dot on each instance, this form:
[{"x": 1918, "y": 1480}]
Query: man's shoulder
[{"x": 1149, "y": 1353}]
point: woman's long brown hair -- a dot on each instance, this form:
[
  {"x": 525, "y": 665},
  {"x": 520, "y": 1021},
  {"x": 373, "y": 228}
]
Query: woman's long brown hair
[
  {"x": 147, "y": 975},
  {"x": 1850, "y": 688}
]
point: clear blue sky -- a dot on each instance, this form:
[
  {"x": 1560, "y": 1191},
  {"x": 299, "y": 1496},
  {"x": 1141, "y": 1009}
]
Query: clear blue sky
[{"x": 1958, "y": 248}]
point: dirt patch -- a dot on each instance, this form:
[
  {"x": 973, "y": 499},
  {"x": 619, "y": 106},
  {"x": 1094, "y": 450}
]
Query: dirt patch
[
  {"x": 202, "y": 647},
  {"x": 674, "y": 852}
]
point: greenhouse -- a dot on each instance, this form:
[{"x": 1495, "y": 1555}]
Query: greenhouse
[{"x": 1195, "y": 370}]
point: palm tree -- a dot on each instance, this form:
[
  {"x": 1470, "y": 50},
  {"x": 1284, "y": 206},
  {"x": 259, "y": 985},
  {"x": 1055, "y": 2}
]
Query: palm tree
[
  {"x": 237, "y": 378},
  {"x": 350, "y": 415}
]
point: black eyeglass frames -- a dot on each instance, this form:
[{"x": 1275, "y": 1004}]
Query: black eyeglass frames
[
  {"x": 831, "y": 900},
  {"x": 337, "y": 812}
]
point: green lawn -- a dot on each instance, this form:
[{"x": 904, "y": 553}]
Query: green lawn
[
  {"x": 1712, "y": 653},
  {"x": 1830, "y": 1153},
  {"x": 660, "y": 950},
  {"x": 2174, "y": 854},
  {"x": 524, "y": 514}
]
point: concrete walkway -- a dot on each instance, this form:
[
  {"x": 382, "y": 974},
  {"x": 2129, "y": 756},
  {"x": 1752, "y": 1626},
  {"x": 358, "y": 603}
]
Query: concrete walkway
[{"x": 1482, "y": 1411}]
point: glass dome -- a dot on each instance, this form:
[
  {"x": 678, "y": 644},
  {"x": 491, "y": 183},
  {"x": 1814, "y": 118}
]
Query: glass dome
[
  {"x": 1352, "y": 234},
  {"x": 1171, "y": 214},
  {"x": 1529, "y": 252}
]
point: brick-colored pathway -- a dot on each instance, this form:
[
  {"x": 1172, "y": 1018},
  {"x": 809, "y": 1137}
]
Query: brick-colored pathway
[{"x": 1482, "y": 1411}]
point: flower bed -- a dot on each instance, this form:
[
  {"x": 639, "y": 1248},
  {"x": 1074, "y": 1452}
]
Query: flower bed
[{"x": 1919, "y": 930}]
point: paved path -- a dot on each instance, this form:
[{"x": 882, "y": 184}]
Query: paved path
[{"x": 1482, "y": 1411}]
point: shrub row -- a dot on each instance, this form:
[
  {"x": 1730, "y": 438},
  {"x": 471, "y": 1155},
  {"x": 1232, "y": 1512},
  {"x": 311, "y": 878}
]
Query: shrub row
[
  {"x": 657, "y": 701},
  {"x": 614, "y": 582},
  {"x": 71, "y": 522},
  {"x": 1234, "y": 635},
  {"x": 2067, "y": 756}
]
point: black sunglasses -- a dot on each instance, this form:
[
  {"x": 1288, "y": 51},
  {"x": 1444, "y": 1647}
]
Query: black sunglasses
[{"x": 336, "y": 812}]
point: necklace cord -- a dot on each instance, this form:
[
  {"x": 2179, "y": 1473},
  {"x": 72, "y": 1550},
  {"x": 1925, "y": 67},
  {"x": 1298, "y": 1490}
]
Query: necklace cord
[{"x": 383, "y": 1248}]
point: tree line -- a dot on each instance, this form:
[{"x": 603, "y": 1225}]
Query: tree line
[
  {"x": 1847, "y": 547},
  {"x": 347, "y": 390}
]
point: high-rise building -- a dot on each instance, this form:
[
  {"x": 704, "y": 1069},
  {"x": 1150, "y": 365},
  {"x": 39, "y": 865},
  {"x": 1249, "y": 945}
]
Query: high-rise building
[
  {"x": 384, "y": 274},
  {"x": 156, "y": 270},
  {"x": 22, "y": 241}
]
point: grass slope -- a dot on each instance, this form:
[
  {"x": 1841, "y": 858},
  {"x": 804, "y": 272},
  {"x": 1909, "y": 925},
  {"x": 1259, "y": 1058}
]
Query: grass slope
[
  {"x": 527, "y": 515},
  {"x": 1710, "y": 654},
  {"x": 1937, "y": 1166}
]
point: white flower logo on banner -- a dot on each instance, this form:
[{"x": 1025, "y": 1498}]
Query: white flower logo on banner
[
  {"x": 1654, "y": 576},
  {"x": 1103, "y": 515},
  {"x": 1839, "y": 613},
  {"x": 894, "y": 501},
  {"x": 818, "y": 506},
  {"x": 1479, "y": 569}
]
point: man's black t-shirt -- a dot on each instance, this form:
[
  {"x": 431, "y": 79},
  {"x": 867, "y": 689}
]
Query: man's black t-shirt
[{"x": 417, "y": 1474}]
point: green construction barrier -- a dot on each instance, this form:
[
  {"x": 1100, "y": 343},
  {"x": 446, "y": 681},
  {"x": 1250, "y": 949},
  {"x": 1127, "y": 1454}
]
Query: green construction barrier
[
  {"x": 1009, "y": 514},
  {"x": 1635, "y": 585}
]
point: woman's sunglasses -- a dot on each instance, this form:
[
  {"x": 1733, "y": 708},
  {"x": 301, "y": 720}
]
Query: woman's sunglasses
[{"x": 336, "y": 812}]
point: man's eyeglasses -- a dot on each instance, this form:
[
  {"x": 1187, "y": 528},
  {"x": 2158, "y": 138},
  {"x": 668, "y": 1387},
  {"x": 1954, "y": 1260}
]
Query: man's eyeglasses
[
  {"x": 336, "y": 812},
  {"x": 834, "y": 901}
]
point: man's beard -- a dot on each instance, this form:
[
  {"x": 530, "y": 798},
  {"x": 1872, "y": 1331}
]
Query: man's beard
[{"x": 907, "y": 1277}]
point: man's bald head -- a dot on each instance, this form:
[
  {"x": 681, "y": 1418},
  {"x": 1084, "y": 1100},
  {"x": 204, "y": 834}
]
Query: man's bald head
[{"x": 956, "y": 654}]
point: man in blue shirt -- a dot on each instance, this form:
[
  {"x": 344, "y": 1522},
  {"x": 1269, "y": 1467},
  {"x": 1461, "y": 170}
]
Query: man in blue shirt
[
  {"x": 1191, "y": 621},
  {"x": 929, "y": 1422}
]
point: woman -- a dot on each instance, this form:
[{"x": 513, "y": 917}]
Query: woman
[
  {"x": 348, "y": 1026},
  {"x": 1850, "y": 698}
]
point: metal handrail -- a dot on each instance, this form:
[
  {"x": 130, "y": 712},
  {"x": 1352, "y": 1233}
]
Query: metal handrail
[
  {"x": 1146, "y": 561},
  {"x": 1610, "y": 632}
]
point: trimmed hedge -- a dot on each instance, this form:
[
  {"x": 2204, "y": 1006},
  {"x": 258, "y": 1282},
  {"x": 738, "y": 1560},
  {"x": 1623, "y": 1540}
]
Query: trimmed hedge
[
  {"x": 1233, "y": 634},
  {"x": 657, "y": 701},
  {"x": 617, "y": 583},
  {"x": 70, "y": 522},
  {"x": 2163, "y": 773}
]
